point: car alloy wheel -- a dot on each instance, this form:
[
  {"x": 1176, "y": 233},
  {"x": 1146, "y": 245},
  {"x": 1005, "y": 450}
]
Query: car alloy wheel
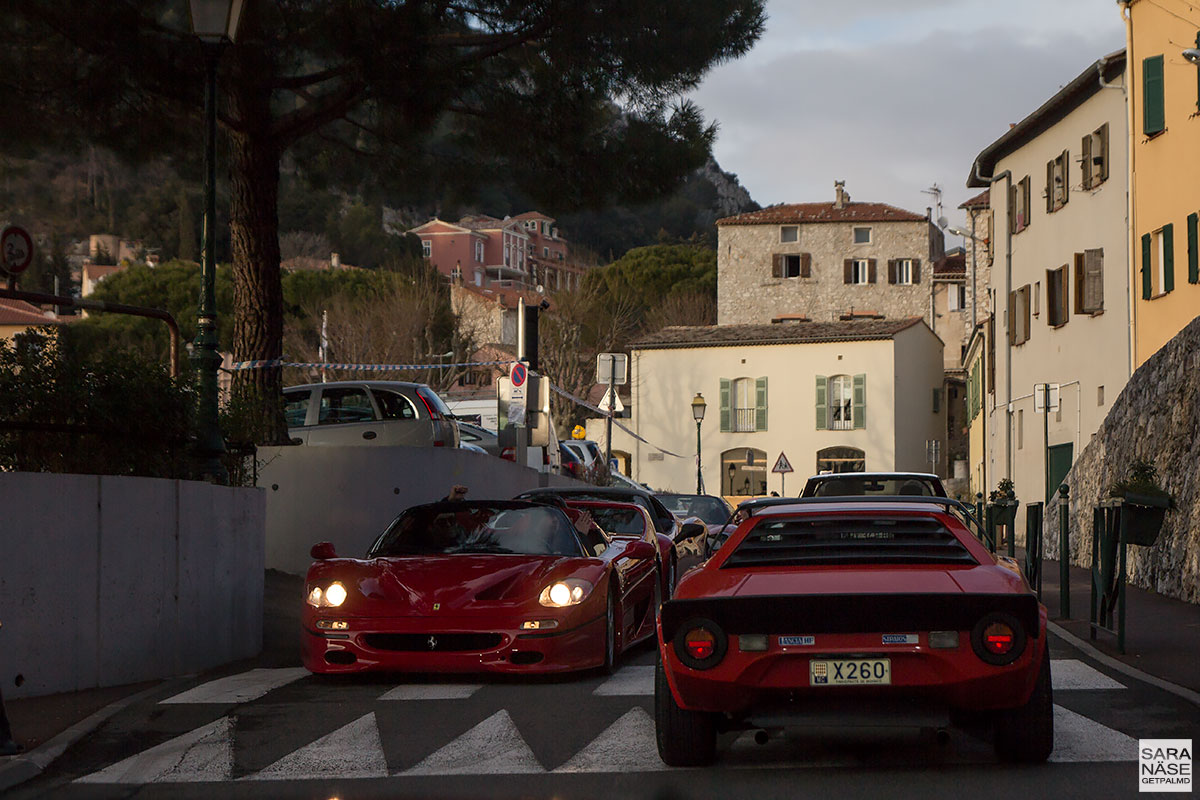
[{"x": 610, "y": 637}]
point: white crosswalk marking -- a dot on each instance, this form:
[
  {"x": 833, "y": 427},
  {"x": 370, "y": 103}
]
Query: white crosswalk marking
[
  {"x": 352, "y": 751},
  {"x": 205, "y": 754},
  {"x": 1077, "y": 738},
  {"x": 1068, "y": 673},
  {"x": 432, "y": 691},
  {"x": 240, "y": 688},
  {"x": 493, "y": 747},
  {"x": 629, "y": 681},
  {"x": 628, "y": 745}
]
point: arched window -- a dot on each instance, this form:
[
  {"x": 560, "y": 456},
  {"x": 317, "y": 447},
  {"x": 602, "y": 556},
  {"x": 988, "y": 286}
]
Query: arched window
[
  {"x": 841, "y": 459},
  {"x": 743, "y": 472}
]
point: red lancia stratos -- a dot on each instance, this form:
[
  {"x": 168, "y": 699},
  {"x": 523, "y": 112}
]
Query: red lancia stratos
[
  {"x": 880, "y": 611},
  {"x": 491, "y": 586}
]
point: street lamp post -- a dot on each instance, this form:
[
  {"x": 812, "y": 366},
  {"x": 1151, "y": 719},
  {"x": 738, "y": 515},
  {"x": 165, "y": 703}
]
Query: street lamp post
[
  {"x": 698, "y": 406},
  {"x": 214, "y": 22}
]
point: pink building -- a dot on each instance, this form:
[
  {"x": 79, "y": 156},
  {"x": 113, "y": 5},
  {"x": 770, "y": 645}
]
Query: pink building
[{"x": 480, "y": 250}]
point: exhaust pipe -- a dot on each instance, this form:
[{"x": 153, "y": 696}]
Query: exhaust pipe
[
  {"x": 761, "y": 737},
  {"x": 942, "y": 737}
]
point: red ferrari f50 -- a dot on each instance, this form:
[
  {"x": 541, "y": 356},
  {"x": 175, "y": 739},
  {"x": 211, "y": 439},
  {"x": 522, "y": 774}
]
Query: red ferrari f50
[
  {"x": 871, "y": 611},
  {"x": 499, "y": 586}
]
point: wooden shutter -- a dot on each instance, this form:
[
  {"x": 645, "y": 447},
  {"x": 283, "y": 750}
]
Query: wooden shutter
[
  {"x": 822, "y": 403},
  {"x": 891, "y": 270},
  {"x": 1026, "y": 305},
  {"x": 725, "y": 405},
  {"x": 1103, "y": 153},
  {"x": 1093, "y": 280},
  {"x": 1146, "y": 277},
  {"x": 1153, "y": 113},
  {"x": 1085, "y": 162},
  {"x": 1193, "y": 261},
  {"x": 760, "y": 404},
  {"x": 1168, "y": 234},
  {"x": 916, "y": 270},
  {"x": 1012, "y": 208},
  {"x": 870, "y": 270},
  {"x": 1079, "y": 281},
  {"x": 1026, "y": 201},
  {"x": 777, "y": 266},
  {"x": 1066, "y": 175},
  {"x": 860, "y": 401},
  {"x": 806, "y": 265},
  {"x": 848, "y": 267},
  {"x": 1049, "y": 186},
  {"x": 1011, "y": 313}
]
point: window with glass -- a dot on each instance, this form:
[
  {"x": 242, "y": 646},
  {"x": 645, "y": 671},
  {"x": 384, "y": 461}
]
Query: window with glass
[
  {"x": 862, "y": 235},
  {"x": 861, "y": 271},
  {"x": 479, "y": 251},
  {"x": 744, "y": 416},
  {"x": 841, "y": 403},
  {"x": 904, "y": 270},
  {"x": 393, "y": 405},
  {"x": 789, "y": 233},
  {"x": 426, "y": 248},
  {"x": 295, "y": 407},
  {"x": 347, "y": 404}
]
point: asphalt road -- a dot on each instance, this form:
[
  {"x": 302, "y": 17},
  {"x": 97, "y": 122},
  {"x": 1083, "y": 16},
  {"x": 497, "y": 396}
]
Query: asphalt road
[{"x": 277, "y": 731}]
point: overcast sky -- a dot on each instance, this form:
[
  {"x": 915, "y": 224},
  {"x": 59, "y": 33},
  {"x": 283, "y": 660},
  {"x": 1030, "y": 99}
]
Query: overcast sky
[{"x": 893, "y": 96}]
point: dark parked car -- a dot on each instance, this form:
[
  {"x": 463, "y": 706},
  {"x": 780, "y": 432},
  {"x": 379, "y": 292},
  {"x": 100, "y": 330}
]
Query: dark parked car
[{"x": 849, "y": 484}]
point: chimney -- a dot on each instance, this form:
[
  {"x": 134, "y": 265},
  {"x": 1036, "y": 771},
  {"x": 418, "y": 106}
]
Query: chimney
[
  {"x": 842, "y": 197},
  {"x": 335, "y": 261}
]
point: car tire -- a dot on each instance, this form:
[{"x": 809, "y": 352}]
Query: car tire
[
  {"x": 609, "y": 665},
  {"x": 1026, "y": 734},
  {"x": 685, "y": 738}
]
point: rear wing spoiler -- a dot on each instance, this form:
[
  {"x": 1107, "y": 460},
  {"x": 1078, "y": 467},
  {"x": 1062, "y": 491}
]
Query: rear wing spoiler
[{"x": 950, "y": 504}]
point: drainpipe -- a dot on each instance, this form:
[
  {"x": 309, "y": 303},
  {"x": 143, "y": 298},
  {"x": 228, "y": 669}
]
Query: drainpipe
[{"x": 1130, "y": 190}]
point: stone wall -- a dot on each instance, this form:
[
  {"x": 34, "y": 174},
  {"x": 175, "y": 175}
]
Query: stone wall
[
  {"x": 747, "y": 293},
  {"x": 1156, "y": 417}
]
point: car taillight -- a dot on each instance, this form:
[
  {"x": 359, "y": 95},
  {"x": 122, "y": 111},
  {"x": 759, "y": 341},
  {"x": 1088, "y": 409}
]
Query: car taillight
[
  {"x": 434, "y": 414},
  {"x": 700, "y": 644},
  {"x": 509, "y": 453},
  {"x": 998, "y": 639}
]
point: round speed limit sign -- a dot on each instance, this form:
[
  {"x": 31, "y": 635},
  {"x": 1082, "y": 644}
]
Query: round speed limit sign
[{"x": 16, "y": 249}]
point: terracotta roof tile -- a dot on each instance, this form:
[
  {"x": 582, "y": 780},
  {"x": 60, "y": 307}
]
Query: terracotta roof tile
[
  {"x": 823, "y": 212},
  {"x": 981, "y": 200},
  {"x": 774, "y": 333},
  {"x": 954, "y": 266},
  {"x": 18, "y": 312}
]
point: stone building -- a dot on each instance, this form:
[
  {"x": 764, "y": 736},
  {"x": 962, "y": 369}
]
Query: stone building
[{"x": 825, "y": 262}]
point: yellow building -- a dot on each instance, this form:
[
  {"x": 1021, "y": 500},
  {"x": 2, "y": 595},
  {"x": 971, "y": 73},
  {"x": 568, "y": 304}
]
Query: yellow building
[
  {"x": 976, "y": 362},
  {"x": 1164, "y": 120}
]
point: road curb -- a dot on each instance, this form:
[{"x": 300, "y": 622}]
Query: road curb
[
  {"x": 20, "y": 768},
  {"x": 1120, "y": 666}
]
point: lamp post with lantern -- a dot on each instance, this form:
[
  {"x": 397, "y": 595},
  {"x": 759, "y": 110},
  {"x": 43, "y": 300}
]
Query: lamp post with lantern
[
  {"x": 215, "y": 24},
  {"x": 698, "y": 407}
]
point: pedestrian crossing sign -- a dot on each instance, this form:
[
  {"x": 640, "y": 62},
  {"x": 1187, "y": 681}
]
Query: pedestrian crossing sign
[{"x": 782, "y": 464}]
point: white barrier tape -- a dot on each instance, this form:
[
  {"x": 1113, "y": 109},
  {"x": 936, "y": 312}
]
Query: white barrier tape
[
  {"x": 241, "y": 365},
  {"x": 602, "y": 412}
]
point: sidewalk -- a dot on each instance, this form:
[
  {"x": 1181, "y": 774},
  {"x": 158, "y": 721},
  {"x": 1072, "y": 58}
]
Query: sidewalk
[{"x": 1162, "y": 635}]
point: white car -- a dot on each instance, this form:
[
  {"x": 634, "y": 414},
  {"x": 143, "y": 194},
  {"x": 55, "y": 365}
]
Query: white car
[{"x": 369, "y": 413}]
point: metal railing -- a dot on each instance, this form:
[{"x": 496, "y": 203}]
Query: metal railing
[
  {"x": 1109, "y": 544},
  {"x": 745, "y": 420}
]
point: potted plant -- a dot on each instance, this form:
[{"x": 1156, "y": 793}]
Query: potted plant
[
  {"x": 1145, "y": 502},
  {"x": 1004, "y": 502}
]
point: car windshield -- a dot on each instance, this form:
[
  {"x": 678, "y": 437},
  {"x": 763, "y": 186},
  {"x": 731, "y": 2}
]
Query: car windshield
[
  {"x": 845, "y": 485},
  {"x": 711, "y": 510},
  {"x": 454, "y": 528},
  {"x": 619, "y": 521}
]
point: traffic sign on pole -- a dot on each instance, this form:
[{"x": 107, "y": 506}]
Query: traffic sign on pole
[
  {"x": 16, "y": 249},
  {"x": 782, "y": 464}
]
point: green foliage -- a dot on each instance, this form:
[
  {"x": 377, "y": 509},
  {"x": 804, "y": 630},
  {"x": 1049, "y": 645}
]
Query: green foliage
[
  {"x": 358, "y": 236},
  {"x": 108, "y": 413},
  {"x": 1141, "y": 478},
  {"x": 1004, "y": 491},
  {"x": 657, "y": 271}
]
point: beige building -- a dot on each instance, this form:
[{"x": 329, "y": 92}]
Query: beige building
[
  {"x": 1060, "y": 278},
  {"x": 825, "y": 262},
  {"x": 838, "y": 396}
]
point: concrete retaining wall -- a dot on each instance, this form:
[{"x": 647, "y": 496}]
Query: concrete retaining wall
[
  {"x": 110, "y": 580},
  {"x": 1156, "y": 417},
  {"x": 348, "y": 495}
]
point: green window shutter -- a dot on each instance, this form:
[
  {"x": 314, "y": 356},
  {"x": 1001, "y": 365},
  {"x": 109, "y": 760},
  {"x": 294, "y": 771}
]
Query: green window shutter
[
  {"x": 1153, "y": 114},
  {"x": 724, "y": 405},
  {"x": 1146, "y": 266},
  {"x": 822, "y": 403},
  {"x": 760, "y": 404},
  {"x": 860, "y": 401},
  {"x": 1168, "y": 234},
  {"x": 1193, "y": 255}
]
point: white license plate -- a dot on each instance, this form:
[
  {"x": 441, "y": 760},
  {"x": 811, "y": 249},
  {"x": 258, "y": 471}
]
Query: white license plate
[{"x": 850, "y": 672}]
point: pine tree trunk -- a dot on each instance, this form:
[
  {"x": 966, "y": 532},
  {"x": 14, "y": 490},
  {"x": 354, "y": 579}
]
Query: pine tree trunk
[{"x": 257, "y": 295}]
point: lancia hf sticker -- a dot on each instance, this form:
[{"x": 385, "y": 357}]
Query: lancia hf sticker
[
  {"x": 797, "y": 641},
  {"x": 900, "y": 638}
]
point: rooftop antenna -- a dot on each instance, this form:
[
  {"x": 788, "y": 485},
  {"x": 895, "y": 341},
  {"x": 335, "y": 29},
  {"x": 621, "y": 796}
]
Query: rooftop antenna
[{"x": 936, "y": 191}]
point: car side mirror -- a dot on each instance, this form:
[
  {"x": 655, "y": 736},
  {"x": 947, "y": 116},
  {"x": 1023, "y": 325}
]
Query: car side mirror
[
  {"x": 690, "y": 530},
  {"x": 640, "y": 550},
  {"x": 322, "y": 551}
]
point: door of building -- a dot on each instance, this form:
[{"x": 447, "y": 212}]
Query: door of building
[{"x": 1061, "y": 456}]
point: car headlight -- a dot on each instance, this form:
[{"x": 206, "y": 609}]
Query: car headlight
[
  {"x": 330, "y": 597},
  {"x": 570, "y": 592}
]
